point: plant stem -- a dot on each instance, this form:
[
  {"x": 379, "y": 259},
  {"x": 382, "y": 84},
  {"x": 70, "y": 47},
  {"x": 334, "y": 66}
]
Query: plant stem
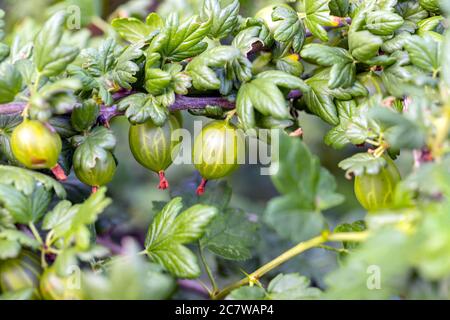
[
  {"x": 35, "y": 232},
  {"x": 289, "y": 254},
  {"x": 208, "y": 270}
]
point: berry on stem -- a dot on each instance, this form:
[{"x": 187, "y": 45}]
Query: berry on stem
[
  {"x": 37, "y": 146},
  {"x": 163, "y": 183},
  {"x": 59, "y": 173},
  {"x": 152, "y": 146},
  {"x": 201, "y": 187}
]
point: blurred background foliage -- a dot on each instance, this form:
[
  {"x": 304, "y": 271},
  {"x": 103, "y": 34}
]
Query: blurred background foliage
[{"x": 134, "y": 189}]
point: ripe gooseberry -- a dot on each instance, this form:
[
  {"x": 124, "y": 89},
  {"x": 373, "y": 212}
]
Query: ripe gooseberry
[
  {"x": 215, "y": 152},
  {"x": 376, "y": 191},
  {"x": 37, "y": 146},
  {"x": 152, "y": 146},
  {"x": 95, "y": 176}
]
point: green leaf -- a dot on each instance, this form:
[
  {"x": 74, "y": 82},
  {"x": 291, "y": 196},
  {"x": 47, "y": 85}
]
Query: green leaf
[
  {"x": 401, "y": 131},
  {"x": 291, "y": 286},
  {"x": 134, "y": 30},
  {"x": 247, "y": 293},
  {"x": 342, "y": 75},
  {"x": 140, "y": 107},
  {"x": 7, "y": 124},
  {"x": 412, "y": 13},
  {"x": 51, "y": 58},
  {"x": 10, "y": 82},
  {"x": 9, "y": 249},
  {"x": 125, "y": 68},
  {"x": 306, "y": 189},
  {"x": 178, "y": 41},
  {"x": 224, "y": 18},
  {"x": 339, "y": 8},
  {"x": 291, "y": 30},
  {"x": 25, "y": 181},
  {"x": 2, "y": 24},
  {"x": 430, "y": 5},
  {"x": 343, "y": 68},
  {"x": 11, "y": 241},
  {"x": 108, "y": 67},
  {"x": 317, "y": 15},
  {"x": 383, "y": 23},
  {"x": 320, "y": 102},
  {"x": 336, "y": 138},
  {"x": 363, "y": 45},
  {"x": 70, "y": 223},
  {"x": 325, "y": 55},
  {"x": 157, "y": 80},
  {"x": 424, "y": 52},
  {"x": 227, "y": 59},
  {"x": 445, "y": 60},
  {"x": 292, "y": 219},
  {"x": 169, "y": 232},
  {"x": 263, "y": 94},
  {"x": 84, "y": 115},
  {"x": 129, "y": 277},
  {"x": 362, "y": 163},
  {"x": 231, "y": 235},
  {"x": 25, "y": 209},
  {"x": 63, "y": 210},
  {"x": 97, "y": 145}
]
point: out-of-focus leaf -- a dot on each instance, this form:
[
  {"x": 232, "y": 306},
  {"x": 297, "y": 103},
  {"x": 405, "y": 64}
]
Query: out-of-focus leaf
[
  {"x": 50, "y": 57},
  {"x": 10, "y": 82},
  {"x": 307, "y": 189},
  {"x": 291, "y": 286},
  {"x": 401, "y": 132},
  {"x": 377, "y": 269},
  {"x": 129, "y": 277}
]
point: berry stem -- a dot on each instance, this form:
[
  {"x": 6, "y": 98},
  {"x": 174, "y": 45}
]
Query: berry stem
[
  {"x": 163, "y": 183},
  {"x": 201, "y": 187},
  {"x": 59, "y": 173}
]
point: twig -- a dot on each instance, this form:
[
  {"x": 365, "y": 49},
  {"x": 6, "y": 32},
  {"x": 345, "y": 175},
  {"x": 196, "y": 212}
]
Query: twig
[
  {"x": 109, "y": 112},
  {"x": 289, "y": 254}
]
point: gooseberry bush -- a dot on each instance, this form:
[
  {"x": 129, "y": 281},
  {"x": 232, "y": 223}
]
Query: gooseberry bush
[{"x": 374, "y": 73}]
